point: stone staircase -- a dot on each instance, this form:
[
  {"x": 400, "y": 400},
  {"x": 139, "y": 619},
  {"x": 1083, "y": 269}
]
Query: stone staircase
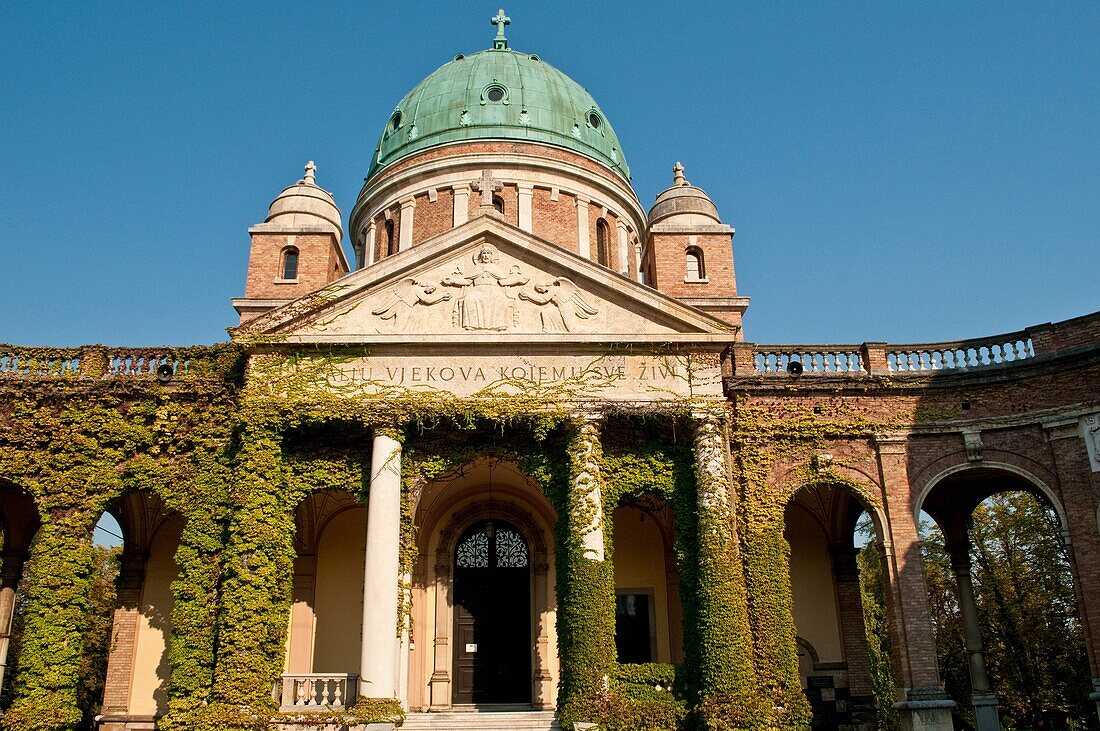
[{"x": 482, "y": 719}]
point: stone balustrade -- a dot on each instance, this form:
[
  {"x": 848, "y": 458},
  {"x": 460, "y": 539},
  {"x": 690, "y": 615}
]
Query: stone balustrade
[
  {"x": 99, "y": 362},
  {"x": 814, "y": 358},
  {"x": 316, "y": 691},
  {"x": 1046, "y": 340},
  {"x": 961, "y": 353}
]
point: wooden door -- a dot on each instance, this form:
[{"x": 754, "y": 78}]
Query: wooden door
[{"x": 492, "y": 616}]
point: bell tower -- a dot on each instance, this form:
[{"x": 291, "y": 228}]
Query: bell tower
[
  {"x": 689, "y": 252},
  {"x": 295, "y": 250}
]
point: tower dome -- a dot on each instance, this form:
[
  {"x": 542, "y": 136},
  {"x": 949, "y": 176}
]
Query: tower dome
[
  {"x": 306, "y": 204},
  {"x": 683, "y": 203},
  {"x": 499, "y": 94}
]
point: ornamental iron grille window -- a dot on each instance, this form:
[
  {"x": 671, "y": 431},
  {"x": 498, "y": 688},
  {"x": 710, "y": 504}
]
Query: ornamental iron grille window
[{"x": 502, "y": 545}]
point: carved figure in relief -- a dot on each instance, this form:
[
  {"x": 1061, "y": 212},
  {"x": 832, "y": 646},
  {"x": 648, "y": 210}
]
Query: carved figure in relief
[
  {"x": 401, "y": 302},
  {"x": 485, "y": 303},
  {"x": 568, "y": 302}
]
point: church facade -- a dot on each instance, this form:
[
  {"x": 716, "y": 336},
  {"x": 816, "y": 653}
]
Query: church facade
[{"x": 518, "y": 455}]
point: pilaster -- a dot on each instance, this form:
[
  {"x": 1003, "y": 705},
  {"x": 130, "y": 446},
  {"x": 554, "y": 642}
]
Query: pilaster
[
  {"x": 923, "y": 705},
  {"x": 124, "y": 631},
  {"x": 461, "y": 204},
  {"x": 405, "y": 229},
  {"x": 584, "y": 240},
  {"x": 524, "y": 195}
]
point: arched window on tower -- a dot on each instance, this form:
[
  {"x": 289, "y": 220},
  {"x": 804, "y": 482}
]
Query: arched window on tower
[
  {"x": 391, "y": 239},
  {"x": 498, "y": 203},
  {"x": 603, "y": 242},
  {"x": 290, "y": 262},
  {"x": 695, "y": 270}
]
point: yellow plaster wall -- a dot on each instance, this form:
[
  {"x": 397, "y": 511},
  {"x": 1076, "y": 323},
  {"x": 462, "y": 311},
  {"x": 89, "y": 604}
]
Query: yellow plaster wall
[
  {"x": 815, "y": 603},
  {"x": 151, "y": 670},
  {"x": 338, "y": 601},
  {"x": 640, "y": 564}
]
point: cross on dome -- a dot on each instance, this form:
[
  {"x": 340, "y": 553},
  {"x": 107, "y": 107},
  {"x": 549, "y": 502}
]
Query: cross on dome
[
  {"x": 311, "y": 174},
  {"x": 500, "y": 20}
]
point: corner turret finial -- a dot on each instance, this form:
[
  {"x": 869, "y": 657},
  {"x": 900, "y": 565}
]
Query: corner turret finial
[
  {"x": 500, "y": 20},
  {"x": 311, "y": 174},
  {"x": 678, "y": 175}
]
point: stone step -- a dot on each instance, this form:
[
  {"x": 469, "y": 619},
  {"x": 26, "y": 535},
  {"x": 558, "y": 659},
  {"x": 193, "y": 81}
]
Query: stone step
[{"x": 482, "y": 719}]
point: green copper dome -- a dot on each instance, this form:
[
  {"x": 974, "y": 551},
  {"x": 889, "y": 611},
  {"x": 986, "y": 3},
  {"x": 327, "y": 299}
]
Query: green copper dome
[{"x": 502, "y": 95}]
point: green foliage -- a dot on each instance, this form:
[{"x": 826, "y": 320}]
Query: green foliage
[
  {"x": 873, "y": 594},
  {"x": 1027, "y": 611}
]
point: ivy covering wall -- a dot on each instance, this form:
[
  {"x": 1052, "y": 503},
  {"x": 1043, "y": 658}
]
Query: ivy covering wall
[{"x": 236, "y": 462}]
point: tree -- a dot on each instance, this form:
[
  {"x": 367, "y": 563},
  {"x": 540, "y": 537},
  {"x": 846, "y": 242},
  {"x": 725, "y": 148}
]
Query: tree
[
  {"x": 1027, "y": 609},
  {"x": 97, "y": 640}
]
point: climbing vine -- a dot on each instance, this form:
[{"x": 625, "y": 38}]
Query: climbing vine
[{"x": 235, "y": 463}]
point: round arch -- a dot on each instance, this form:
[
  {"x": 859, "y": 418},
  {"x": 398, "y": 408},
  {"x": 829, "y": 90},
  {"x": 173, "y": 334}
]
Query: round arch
[{"x": 1031, "y": 482}]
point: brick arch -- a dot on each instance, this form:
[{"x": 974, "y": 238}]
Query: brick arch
[
  {"x": 860, "y": 485},
  {"x": 1036, "y": 485}
]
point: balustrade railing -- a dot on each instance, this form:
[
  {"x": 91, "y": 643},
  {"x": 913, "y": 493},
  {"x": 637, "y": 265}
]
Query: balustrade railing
[
  {"x": 869, "y": 358},
  {"x": 98, "y": 362},
  {"x": 813, "y": 358},
  {"x": 317, "y": 691},
  {"x": 17, "y": 361},
  {"x": 960, "y": 354}
]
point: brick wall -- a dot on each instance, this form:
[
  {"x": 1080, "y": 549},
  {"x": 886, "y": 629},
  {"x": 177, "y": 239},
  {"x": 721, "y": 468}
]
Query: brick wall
[
  {"x": 555, "y": 221},
  {"x": 319, "y": 263},
  {"x": 431, "y": 219}
]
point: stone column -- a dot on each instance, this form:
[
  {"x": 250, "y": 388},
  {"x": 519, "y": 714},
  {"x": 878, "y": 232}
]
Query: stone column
[
  {"x": 923, "y": 705},
  {"x": 378, "y": 671},
  {"x": 853, "y": 634},
  {"x": 461, "y": 204},
  {"x": 524, "y": 195},
  {"x": 985, "y": 703},
  {"x": 584, "y": 241},
  {"x": 124, "y": 629},
  {"x": 586, "y": 602},
  {"x": 10, "y": 573},
  {"x": 405, "y": 232},
  {"x": 724, "y": 648}
]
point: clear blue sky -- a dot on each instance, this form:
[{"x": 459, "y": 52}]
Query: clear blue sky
[{"x": 895, "y": 171}]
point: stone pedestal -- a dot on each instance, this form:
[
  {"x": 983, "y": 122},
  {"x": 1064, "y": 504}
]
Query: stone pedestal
[{"x": 927, "y": 709}]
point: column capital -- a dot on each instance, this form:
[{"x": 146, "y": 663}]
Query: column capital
[{"x": 891, "y": 442}]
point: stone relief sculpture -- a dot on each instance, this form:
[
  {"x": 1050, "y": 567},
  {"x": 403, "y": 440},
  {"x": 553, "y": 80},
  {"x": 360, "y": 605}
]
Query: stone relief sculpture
[
  {"x": 568, "y": 302},
  {"x": 489, "y": 299},
  {"x": 402, "y": 299},
  {"x": 485, "y": 303}
]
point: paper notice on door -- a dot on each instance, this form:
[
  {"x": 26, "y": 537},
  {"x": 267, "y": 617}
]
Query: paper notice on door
[{"x": 471, "y": 647}]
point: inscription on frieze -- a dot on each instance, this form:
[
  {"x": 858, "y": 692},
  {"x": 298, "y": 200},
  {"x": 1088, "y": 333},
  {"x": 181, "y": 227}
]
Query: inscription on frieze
[{"x": 644, "y": 377}]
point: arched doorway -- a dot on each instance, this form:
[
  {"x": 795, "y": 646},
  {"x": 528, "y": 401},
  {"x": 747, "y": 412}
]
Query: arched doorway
[{"x": 492, "y": 615}]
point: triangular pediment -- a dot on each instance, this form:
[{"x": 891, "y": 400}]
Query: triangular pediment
[{"x": 485, "y": 279}]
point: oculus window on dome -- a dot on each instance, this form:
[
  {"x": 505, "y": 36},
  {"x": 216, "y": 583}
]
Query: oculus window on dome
[{"x": 494, "y": 93}]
